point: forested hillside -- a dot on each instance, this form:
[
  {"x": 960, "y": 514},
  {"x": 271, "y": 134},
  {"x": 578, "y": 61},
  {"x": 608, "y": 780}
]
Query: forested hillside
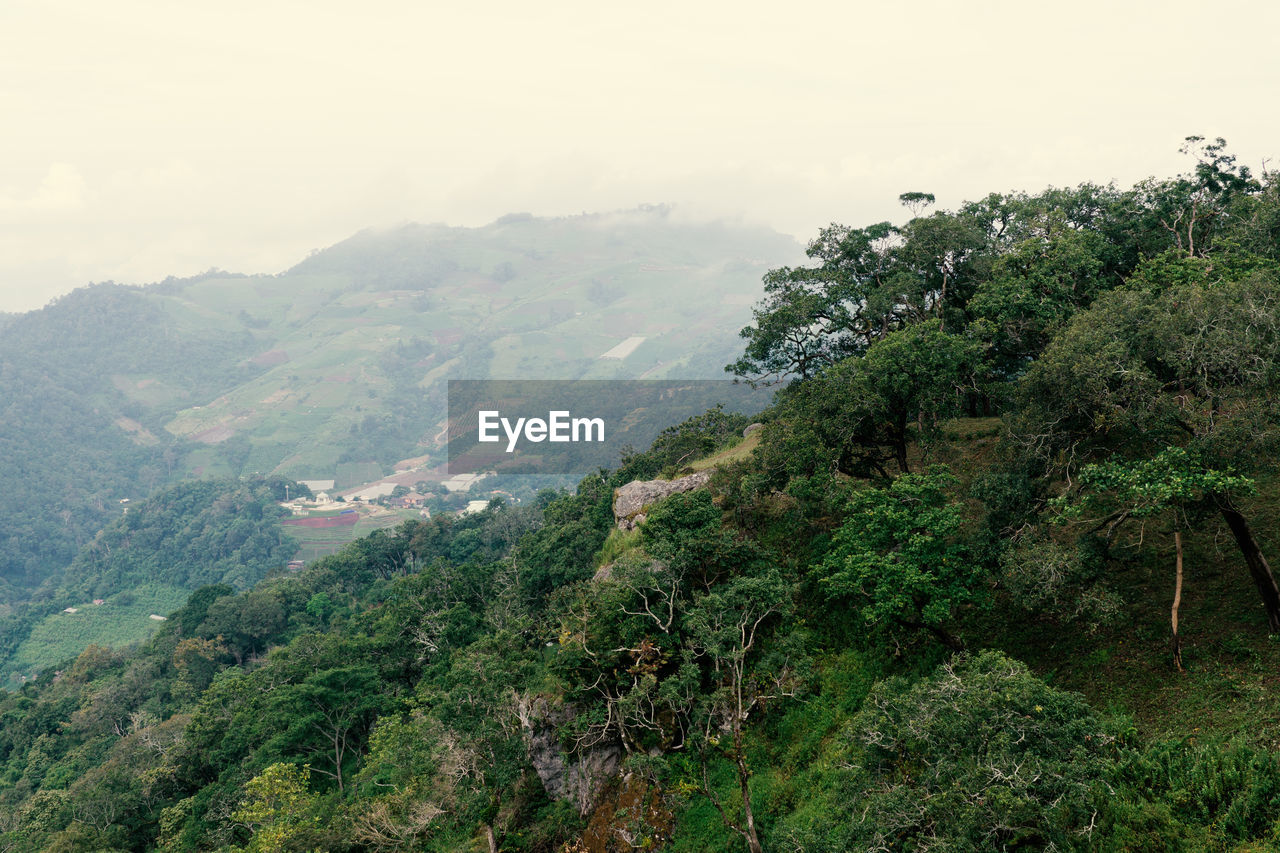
[
  {"x": 335, "y": 369},
  {"x": 71, "y": 445},
  {"x": 993, "y": 575},
  {"x": 144, "y": 563}
]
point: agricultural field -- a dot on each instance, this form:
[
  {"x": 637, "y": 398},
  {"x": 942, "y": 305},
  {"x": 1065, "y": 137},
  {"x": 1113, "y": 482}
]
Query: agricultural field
[
  {"x": 121, "y": 620},
  {"x": 317, "y": 542},
  {"x": 346, "y": 342}
]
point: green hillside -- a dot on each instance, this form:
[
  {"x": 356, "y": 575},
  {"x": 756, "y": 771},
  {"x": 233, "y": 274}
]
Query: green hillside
[
  {"x": 144, "y": 563},
  {"x": 356, "y": 341},
  {"x": 993, "y": 574},
  {"x": 336, "y": 368}
]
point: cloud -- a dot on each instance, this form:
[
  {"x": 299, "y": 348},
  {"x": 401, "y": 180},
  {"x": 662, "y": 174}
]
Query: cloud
[
  {"x": 62, "y": 191},
  {"x": 241, "y": 138}
]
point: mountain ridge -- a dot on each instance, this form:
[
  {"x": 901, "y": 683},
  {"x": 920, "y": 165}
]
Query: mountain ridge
[{"x": 340, "y": 360}]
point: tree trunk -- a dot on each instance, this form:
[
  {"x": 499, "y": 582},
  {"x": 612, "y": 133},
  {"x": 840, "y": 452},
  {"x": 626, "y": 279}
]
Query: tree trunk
[
  {"x": 900, "y": 452},
  {"x": 1177, "y": 599},
  {"x": 749, "y": 818},
  {"x": 1259, "y": 568}
]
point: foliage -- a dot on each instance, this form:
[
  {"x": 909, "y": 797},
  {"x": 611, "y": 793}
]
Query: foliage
[
  {"x": 750, "y": 668},
  {"x": 189, "y": 535},
  {"x": 278, "y": 810},
  {"x": 677, "y": 446},
  {"x": 1173, "y": 478},
  {"x": 900, "y": 557},
  {"x": 860, "y": 416},
  {"x": 1045, "y": 577},
  {"x": 1192, "y": 363},
  {"x": 981, "y": 755}
]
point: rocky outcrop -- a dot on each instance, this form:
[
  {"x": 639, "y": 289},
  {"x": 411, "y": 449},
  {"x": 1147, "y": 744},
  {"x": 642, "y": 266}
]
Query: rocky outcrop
[
  {"x": 752, "y": 428},
  {"x": 630, "y": 501},
  {"x": 578, "y": 779}
]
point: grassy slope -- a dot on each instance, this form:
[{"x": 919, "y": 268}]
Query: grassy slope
[
  {"x": 732, "y": 453},
  {"x": 1232, "y": 666}
]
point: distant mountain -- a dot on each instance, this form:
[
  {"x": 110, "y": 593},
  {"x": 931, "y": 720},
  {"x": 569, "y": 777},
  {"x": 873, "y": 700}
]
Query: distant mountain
[{"x": 336, "y": 368}]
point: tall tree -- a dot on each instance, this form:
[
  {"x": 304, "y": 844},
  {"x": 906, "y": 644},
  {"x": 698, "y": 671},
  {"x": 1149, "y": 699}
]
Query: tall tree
[
  {"x": 868, "y": 411},
  {"x": 729, "y": 650},
  {"x": 1195, "y": 206},
  {"x": 1196, "y": 365},
  {"x": 1173, "y": 483},
  {"x": 813, "y": 316}
]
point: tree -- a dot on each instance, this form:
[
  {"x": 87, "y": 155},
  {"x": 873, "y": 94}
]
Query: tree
[
  {"x": 1192, "y": 208},
  {"x": 1255, "y": 220},
  {"x": 278, "y": 809},
  {"x": 698, "y": 436},
  {"x": 937, "y": 264},
  {"x": 1034, "y": 289},
  {"x": 899, "y": 557},
  {"x": 981, "y": 755},
  {"x": 1174, "y": 481},
  {"x": 812, "y": 317},
  {"x": 330, "y": 715},
  {"x": 1195, "y": 365},
  {"x": 916, "y": 201},
  {"x": 869, "y": 410},
  {"x": 728, "y": 629},
  {"x": 196, "y": 660}
]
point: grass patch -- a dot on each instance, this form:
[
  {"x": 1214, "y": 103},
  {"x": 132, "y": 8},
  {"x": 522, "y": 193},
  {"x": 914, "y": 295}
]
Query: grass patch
[
  {"x": 733, "y": 453},
  {"x": 616, "y": 545},
  {"x": 965, "y": 429}
]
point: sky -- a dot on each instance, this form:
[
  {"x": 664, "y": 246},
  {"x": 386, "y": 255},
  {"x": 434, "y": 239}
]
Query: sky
[{"x": 140, "y": 140}]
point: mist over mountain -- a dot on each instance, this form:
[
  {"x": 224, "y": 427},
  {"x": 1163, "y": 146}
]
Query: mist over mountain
[{"x": 335, "y": 369}]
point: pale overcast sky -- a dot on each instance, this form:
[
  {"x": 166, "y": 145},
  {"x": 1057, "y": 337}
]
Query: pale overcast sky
[{"x": 144, "y": 139}]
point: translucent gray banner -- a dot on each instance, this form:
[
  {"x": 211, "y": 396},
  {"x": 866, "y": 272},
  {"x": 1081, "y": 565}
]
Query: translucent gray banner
[{"x": 575, "y": 426}]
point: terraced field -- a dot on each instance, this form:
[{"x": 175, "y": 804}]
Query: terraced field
[
  {"x": 351, "y": 348},
  {"x": 315, "y": 543}
]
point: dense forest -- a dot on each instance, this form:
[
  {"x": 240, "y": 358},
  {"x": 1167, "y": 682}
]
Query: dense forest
[
  {"x": 72, "y": 445},
  {"x": 993, "y": 575}
]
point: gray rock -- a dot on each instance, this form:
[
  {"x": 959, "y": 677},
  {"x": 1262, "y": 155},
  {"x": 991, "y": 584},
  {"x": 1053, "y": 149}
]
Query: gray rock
[
  {"x": 630, "y": 501},
  {"x": 752, "y": 428},
  {"x": 578, "y": 779}
]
